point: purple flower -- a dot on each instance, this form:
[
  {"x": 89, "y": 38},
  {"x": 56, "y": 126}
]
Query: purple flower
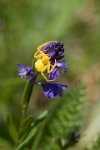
[
  {"x": 54, "y": 75},
  {"x": 49, "y": 56},
  {"x": 52, "y": 44},
  {"x": 54, "y": 49},
  {"x": 63, "y": 65},
  {"x": 51, "y": 90},
  {"x": 25, "y": 71}
]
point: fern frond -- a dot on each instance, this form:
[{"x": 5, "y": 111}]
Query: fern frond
[{"x": 65, "y": 114}]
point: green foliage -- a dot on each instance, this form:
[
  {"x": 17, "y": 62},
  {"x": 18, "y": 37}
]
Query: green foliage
[
  {"x": 28, "y": 129},
  {"x": 11, "y": 128},
  {"x": 95, "y": 145},
  {"x": 65, "y": 115},
  {"x": 56, "y": 129}
]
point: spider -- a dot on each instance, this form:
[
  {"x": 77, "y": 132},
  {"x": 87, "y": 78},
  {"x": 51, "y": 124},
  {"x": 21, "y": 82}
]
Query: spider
[{"x": 43, "y": 63}]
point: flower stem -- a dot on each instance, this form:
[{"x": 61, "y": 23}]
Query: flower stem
[
  {"x": 26, "y": 97},
  {"x": 27, "y": 94}
]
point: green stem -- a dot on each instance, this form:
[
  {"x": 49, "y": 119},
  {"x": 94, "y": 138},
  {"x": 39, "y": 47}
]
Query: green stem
[
  {"x": 26, "y": 96},
  {"x": 25, "y": 102}
]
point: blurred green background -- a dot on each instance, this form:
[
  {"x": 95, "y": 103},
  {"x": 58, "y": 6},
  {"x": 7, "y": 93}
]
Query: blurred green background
[{"x": 25, "y": 24}]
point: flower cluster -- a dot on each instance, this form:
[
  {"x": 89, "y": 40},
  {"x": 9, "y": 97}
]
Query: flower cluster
[
  {"x": 55, "y": 50},
  {"x": 49, "y": 61}
]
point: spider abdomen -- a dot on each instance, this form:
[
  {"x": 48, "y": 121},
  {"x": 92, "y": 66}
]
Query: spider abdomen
[{"x": 40, "y": 67}]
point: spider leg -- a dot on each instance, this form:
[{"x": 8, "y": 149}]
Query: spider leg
[
  {"x": 46, "y": 77},
  {"x": 53, "y": 66},
  {"x": 39, "y": 50},
  {"x": 39, "y": 54},
  {"x": 41, "y": 46},
  {"x": 36, "y": 55}
]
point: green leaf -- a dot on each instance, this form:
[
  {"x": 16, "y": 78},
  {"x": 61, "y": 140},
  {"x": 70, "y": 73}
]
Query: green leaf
[
  {"x": 11, "y": 128},
  {"x": 25, "y": 126},
  {"x": 41, "y": 117},
  {"x": 28, "y": 139}
]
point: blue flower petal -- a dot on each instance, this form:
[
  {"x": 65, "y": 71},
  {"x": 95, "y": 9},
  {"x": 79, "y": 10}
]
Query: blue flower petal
[
  {"x": 63, "y": 65},
  {"x": 51, "y": 90},
  {"x": 54, "y": 49},
  {"x": 52, "y": 44},
  {"x": 31, "y": 75},
  {"x": 25, "y": 71},
  {"x": 54, "y": 75}
]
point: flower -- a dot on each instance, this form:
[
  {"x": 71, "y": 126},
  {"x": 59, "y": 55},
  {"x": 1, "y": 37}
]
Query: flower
[
  {"x": 49, "y": 61},
  {"x": 54, "y": 75},
  {"x": 63, "y": 65},
  {"x": 25, "y": 71},
  {"x": 51, "y": 90},
  {"x": 54, "y": 49},
  {"x": 56, "y": 52}
]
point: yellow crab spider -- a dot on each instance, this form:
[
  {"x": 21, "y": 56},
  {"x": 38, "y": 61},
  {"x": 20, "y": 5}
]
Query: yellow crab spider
[{"x": 43, "y": 63}]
